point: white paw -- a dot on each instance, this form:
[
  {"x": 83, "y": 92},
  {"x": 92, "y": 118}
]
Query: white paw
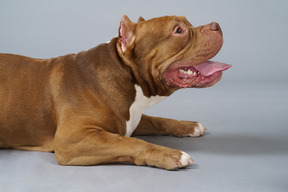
[
  {"x": 185, "y": 159},
  {"x": 199, "y": 130}
]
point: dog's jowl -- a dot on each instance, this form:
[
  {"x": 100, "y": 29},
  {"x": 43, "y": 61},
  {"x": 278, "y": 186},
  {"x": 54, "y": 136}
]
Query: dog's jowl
[{"x": 85, "y": 107}]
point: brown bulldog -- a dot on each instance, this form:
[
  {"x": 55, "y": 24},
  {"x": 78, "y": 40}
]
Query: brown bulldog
[{"x": 85, "y": 106}]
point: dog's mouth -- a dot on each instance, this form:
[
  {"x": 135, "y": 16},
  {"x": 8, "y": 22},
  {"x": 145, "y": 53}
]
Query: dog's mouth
[{"x": 203, "y": 75}]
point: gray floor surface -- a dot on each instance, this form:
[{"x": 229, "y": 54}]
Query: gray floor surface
[
  {"x": 246, "y": 146},
  {"x": 245, "y": 149}
]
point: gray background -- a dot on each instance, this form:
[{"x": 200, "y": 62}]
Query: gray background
[{"x": 246, "y": 147}]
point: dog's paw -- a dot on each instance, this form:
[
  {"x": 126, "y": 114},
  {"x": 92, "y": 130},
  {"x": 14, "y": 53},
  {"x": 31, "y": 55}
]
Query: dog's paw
[
  {"x": 190, "y": 129},
  {"x": 198, "y": 130},
  {"x": 173, "y": 161},
  {"x": 185, "y": 160},
  {"x": 166, "y": 158}
]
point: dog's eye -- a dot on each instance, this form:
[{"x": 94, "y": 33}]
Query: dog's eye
[{"x": 179, "y": 30}]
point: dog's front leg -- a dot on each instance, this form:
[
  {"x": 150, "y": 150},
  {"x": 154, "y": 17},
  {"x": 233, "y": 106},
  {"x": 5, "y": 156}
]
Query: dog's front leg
[
  {"x": 92, "y": 146},
  {"x": 163, "y": 126}
]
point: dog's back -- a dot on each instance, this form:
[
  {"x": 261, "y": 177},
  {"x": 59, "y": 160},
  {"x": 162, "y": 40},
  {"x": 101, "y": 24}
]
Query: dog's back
[{"x": 23, "y": 85}]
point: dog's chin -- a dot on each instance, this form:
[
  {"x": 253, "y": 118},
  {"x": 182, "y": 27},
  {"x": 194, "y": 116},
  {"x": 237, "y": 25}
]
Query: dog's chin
[{"x": 197, "y": 76}]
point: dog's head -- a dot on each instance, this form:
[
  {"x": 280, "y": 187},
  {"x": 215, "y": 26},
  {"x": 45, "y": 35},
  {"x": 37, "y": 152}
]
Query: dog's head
[{"x": 171, "y": 52}]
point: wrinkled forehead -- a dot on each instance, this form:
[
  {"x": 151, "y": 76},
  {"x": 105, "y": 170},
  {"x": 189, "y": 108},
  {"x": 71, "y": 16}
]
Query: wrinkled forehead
[
  {"x": 168, "y": 21},
  {"x": 185, "y": 21}
]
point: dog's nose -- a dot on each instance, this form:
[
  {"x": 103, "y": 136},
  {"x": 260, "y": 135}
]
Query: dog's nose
[{"x": 214, "y": 26}]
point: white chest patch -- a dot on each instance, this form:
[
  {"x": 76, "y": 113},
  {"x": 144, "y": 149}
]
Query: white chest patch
[{"x": 138, "y": 107}]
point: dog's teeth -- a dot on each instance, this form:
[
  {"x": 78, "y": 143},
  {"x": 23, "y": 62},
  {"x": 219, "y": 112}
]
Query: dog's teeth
[{"x": 189, "y": 72}]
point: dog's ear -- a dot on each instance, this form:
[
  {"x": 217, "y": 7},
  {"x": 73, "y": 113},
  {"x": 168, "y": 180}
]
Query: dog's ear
[
  {"x": 126, "y": 34},
  {"x": 141, "y": 19}
]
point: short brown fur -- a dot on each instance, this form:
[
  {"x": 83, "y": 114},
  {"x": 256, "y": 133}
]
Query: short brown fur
[{"x": 77, "y": 105}]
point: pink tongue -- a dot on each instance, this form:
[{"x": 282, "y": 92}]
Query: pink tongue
[{"x": 210, "y": 67}]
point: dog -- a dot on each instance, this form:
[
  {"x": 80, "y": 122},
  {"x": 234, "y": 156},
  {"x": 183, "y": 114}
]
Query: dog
[{"x": 84, "y": 107}]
